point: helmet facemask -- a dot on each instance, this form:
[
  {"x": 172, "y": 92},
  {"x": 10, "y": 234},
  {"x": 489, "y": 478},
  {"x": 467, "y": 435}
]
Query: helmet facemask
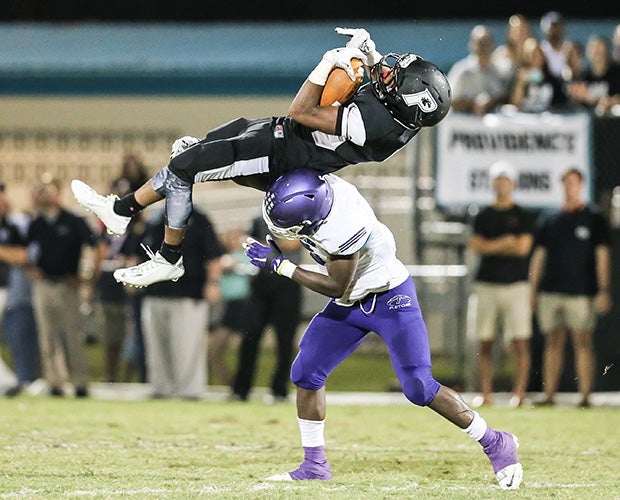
[{"x": 297, "y": 204}]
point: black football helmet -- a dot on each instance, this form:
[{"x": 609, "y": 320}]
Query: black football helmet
[{"x": 415, "y": 91}]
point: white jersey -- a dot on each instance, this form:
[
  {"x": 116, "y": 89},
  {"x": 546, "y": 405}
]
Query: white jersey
[{"x": 352, "y": 226}]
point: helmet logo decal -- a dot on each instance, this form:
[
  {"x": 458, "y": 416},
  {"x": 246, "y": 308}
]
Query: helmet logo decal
[
  {"x": 423, "y": 99},
  {"x": 407, "y": 60}
]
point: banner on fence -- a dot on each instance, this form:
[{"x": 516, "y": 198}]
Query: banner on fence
[{"x": 540, "y": 146}]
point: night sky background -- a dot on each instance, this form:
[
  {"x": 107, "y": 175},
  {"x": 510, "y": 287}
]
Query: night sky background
[{"x": 291, "y": 10}]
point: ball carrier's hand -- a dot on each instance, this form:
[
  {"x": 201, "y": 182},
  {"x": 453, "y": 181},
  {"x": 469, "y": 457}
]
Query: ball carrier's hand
[
  {"x": 360, "y": 39},
  {"x": 337, "y": 58}
]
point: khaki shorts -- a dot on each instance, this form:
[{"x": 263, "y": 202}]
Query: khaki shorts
[
  {"x": 572, "y": 311},
  {"x": 501, "y": 306}
]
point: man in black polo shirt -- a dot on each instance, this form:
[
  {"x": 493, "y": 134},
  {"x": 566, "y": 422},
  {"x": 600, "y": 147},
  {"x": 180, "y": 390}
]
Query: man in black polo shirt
[
  {"x": 570, "y": 274},
  {"x": 53, "y": 254},
  {"x": 175, "y": 314},
  {"x": 502, "y": 238}
]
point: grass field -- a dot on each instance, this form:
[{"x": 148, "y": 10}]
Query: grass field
[{"x": 188, "y": 449}]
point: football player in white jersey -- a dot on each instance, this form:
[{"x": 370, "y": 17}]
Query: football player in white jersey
[
  {"x": 404, "y": 94},
  {"x": 370, "y": 290}
]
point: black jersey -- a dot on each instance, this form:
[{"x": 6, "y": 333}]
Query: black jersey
[
  {"x": 366, "y": 131},
  {"x": 570, "y": 239},
  {"x": 492, "y": 223}
]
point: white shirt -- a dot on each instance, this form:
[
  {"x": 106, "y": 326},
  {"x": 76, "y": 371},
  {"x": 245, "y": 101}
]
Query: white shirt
[
  {"x": 556, "y": 59},
  {"x": 352, "y": 226}
]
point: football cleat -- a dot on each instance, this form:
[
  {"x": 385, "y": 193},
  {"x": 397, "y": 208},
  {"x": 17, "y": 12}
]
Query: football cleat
[
  {"x": 101, "y": 206},
  {"x": 503, "y": 456},
  {"x": 307, "y": 470},
  {"x": 152, "y": 271}
]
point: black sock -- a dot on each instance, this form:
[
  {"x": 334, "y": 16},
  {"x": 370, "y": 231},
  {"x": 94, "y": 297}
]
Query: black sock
[
  {"x": 127, "y": 206},
  {"x": 172, "y": 253}
]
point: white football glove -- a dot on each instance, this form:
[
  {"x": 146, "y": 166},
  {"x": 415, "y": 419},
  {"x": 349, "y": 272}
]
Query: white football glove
[
  {"x": 336, "y": 58},
  {"x": 182, "y": 144},
  {"x": 360, "y": 39}
]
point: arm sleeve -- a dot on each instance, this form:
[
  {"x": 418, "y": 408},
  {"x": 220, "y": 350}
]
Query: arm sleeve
[{"x": 601, "y": 230}]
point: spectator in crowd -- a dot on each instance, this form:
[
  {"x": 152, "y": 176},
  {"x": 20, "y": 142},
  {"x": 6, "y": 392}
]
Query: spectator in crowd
[
  {"x": 234, "y": 310},
  {"x": 575, "y": 61},
  {"x": 277, "y": 301},
  {"x": 536, "y": 88},
  {"x": 553, "y": 42},
  {"x": 508, "y": 56},
  {"x": 8, "y": 235},
  {"x": 502, "y": 239},
  {"x": 370, "y": 290},
  {"x": 18, "y": 323},
  {"x": 599, "y": 86},
  {"x": 9, "y": 385},
  {"x": 175, "y": 314},
  {"x": 616, "y": 44},
  {"x": 112, "y": 298},
  {"x": 405, "y": 93},
  {"x": 59, "y": 262},
  {"x": 478, "y": 85},
  {"x": 133, "y": 174},
  {"x": 570, "y": 273}
]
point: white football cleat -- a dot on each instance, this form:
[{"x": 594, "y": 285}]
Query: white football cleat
[
  {"x": 101, "y": 206},
  {"x": 149, "y": 272},
  {"x": 509, "y": 478}
]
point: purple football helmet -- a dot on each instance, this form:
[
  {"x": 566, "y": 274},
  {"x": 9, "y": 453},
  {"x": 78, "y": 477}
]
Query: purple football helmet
[{"x": 297, "y": 203}]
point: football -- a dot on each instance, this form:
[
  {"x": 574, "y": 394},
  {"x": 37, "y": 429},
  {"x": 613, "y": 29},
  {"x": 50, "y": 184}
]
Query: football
[{"x": 339, "y": 87}]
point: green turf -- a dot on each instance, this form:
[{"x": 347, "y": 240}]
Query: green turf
[
  {"x": 70, "y": 448},
  {"x": 351, "y": 375}
]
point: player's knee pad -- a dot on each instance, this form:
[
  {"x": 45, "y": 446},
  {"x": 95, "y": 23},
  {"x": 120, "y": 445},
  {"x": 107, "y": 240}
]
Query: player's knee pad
[
  {"x": 420, "y": 387},
  {"x": 306, "y": 379},
  {"x": 178, "y": 194}
]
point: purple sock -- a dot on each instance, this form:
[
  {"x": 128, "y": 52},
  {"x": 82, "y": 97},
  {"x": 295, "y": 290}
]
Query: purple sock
[
  {"x": 314, "y": 466},
  {"x": 314, "y": 453},
  {"x": 488, "y": 438}
]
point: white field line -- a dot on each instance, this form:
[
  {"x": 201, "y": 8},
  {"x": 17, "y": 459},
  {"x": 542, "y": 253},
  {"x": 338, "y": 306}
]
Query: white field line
[{"x": 266, "y": 486}]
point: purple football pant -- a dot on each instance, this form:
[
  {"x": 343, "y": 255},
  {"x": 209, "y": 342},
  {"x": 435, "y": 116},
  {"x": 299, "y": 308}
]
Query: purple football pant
[{"x": 336, "y": 331}]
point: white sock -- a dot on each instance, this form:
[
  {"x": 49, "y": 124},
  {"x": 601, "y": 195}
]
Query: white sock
[
  {"x": 477, "y": 428},
  {"x": 311, "y": 432}
]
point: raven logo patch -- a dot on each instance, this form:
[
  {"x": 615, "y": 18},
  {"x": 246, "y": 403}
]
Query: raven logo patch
[{"x": 399, "y": 301}]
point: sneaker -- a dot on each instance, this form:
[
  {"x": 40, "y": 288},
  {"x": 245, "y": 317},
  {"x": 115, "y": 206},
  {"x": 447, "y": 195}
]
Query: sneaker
[
  {"x": 307, "y": 470},
  {"x": 502, "y": 453},
  {"x": 149, "y": 272},
  {"x": 584, "y": 403},
  {"x": 547, "y": 401},
  {"x": 480, "y": 401},
  {"x": 56, "y": 391},
  {"x": 101, "y": 206},
  {"x": 81, "y": 392},
  {"x": 13, "y": 391}
]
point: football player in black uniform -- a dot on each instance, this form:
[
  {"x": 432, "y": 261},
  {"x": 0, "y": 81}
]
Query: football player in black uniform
[{"x": 405, "y": 93}]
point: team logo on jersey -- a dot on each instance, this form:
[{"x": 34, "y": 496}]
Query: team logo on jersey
[
  {"x": 399, "y": 302},
  {"x": 424, "y": 100},
  {"x": 582, "y": 233}
]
